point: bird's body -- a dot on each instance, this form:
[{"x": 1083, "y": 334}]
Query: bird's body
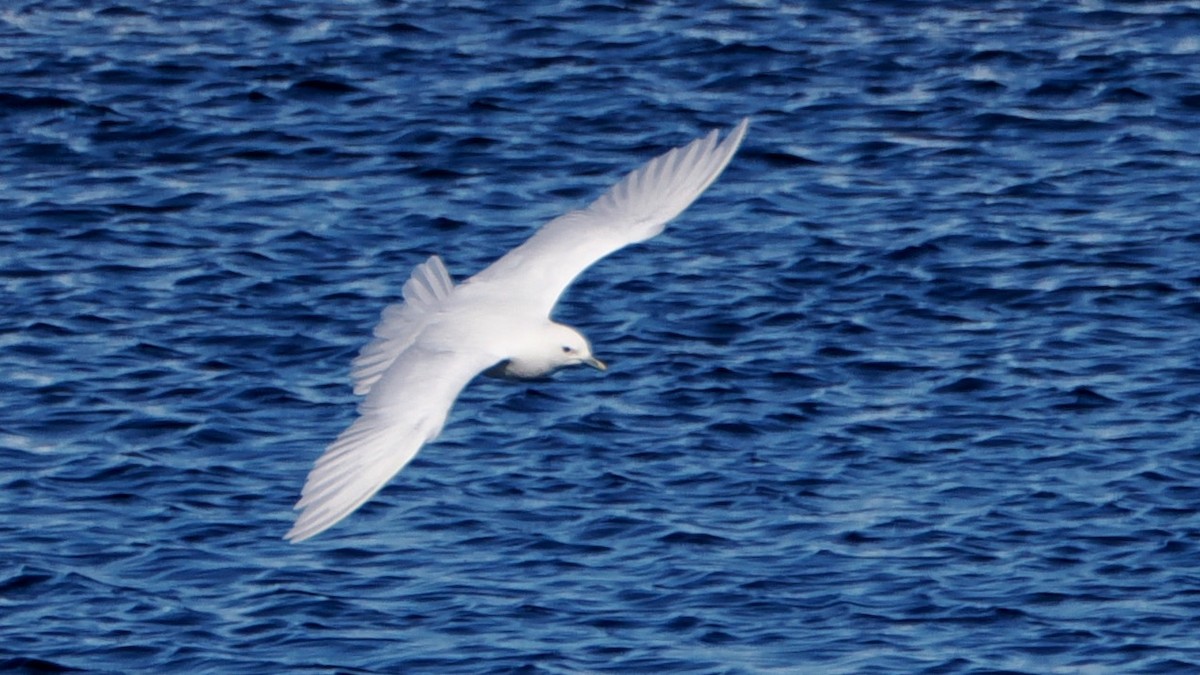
[{"x": 497, "y": 322}]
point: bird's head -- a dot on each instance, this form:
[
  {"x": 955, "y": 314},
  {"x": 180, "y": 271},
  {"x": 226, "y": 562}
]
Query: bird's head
[
  {"x": 569, "y": 347},
  {"x": 545, "y": 350}
]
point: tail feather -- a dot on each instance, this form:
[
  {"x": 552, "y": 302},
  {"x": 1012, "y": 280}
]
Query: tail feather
[{"x": 399, "y": 325}]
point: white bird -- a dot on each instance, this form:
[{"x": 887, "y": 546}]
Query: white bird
[{"x": 429, "y": 347}]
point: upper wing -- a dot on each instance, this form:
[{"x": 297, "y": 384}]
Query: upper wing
[
  {"x": 406, "y": 409},
  {"x": 633, "y": 210}
]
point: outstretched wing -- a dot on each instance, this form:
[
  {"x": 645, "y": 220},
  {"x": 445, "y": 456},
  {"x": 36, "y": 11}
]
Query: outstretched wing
[
  {"x": 406, "y": 408},
  {"x": 633, "y": 210}
]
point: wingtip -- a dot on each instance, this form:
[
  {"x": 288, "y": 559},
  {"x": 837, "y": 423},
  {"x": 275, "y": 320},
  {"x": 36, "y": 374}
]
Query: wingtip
[
  {"x": 303, "y": 529},
  {"x": 738, "y": 133},
  {"x": 295, "y": 535}
]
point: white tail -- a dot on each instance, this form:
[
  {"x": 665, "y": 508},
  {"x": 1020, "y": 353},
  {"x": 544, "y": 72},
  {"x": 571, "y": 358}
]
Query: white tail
[{"x": 399, "y": 325}]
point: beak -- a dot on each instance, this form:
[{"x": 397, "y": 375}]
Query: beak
[{"x": 596, "y": 363}]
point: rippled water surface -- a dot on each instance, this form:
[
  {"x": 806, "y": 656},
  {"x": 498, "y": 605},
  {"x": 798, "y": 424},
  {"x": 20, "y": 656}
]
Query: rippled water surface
[{"x": 912, "y": 389}]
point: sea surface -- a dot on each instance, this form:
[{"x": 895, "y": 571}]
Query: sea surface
[{"x": 913, "y": 388}]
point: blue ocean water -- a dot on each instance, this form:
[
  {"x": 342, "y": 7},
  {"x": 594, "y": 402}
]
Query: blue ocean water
[{"x": 912, "y": 389}]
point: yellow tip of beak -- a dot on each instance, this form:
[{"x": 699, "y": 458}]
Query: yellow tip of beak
[{"x": 596, "y": 363}]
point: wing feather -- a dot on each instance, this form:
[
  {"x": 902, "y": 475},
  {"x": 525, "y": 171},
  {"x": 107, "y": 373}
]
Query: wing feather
[
  {"x": 635, "y": 209},
  {"x": 405, "y": 410}
]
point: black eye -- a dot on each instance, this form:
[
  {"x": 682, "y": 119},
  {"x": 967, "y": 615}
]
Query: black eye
[{"x": 566, "y": 349}]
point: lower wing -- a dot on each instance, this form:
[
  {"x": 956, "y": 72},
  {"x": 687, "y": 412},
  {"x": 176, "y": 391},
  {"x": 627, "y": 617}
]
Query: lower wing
[{"x": 405, "y": 410}]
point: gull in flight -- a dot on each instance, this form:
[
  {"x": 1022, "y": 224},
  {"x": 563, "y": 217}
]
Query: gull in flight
[{"x": 429, "y": 347}]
